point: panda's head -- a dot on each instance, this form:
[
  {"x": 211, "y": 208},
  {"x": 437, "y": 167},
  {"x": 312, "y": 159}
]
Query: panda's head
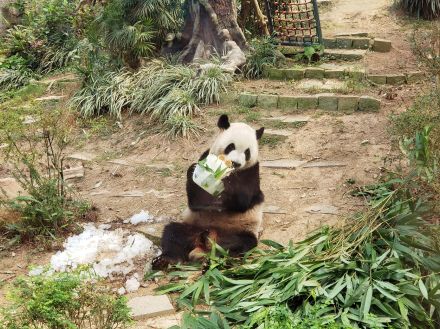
[{"x": 238, "y": 141}]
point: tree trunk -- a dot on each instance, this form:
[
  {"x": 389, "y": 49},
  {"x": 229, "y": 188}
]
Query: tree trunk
[{"x": 211, "y": 28}]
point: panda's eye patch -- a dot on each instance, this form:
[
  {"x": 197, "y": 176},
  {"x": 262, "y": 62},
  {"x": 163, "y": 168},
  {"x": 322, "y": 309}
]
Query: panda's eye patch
[
  {"x": 229, "y": 148},
  {"x": 247, "y": 153}
]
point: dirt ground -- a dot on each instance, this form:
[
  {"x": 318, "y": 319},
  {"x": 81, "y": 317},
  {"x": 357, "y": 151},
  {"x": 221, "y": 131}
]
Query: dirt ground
[{"x": 133, "y": 167}]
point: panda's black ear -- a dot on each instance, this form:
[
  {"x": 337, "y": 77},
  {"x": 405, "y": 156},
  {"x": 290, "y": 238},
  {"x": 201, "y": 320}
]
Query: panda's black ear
[
  {"x": 223, "y": 122},
  {"x": 260, "y": 133}
]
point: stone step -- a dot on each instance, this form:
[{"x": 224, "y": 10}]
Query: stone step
[
  {"x": 326, "y": 102},
  {"x": 278, "y": 132},
  {"x": 345, "y": 54},
  {"x": 357, "y": 42},
  {"x": 341, "y": 72},
  {"x": 290, "y": 118}
]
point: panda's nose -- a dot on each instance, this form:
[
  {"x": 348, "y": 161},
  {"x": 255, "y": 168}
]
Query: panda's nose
[{"x": 235, "y": 164}]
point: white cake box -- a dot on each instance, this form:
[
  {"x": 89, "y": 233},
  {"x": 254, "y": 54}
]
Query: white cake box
[{"x": 209, "y": 173}]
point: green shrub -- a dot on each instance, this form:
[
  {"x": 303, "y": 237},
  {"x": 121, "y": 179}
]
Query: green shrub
[
  {"x": 427, "y": 9},
  {"x": 263, "y": 52},
  {"x": 49, "y": 207},
  {"x": 64, "y": 300},
  {"x": 181, "y": 126}
]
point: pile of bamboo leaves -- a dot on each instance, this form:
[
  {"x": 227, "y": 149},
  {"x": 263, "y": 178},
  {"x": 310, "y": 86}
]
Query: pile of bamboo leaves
[{"x": 379, "y": 270}]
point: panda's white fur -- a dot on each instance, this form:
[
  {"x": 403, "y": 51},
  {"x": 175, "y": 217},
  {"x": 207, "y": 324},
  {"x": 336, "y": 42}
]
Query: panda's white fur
[{"x": 244, "y": 137}]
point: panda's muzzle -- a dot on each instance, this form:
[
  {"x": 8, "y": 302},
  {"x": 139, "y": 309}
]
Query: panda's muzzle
[{"x": 236, "y": 164}]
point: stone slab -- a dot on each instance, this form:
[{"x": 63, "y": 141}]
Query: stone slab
[
  {"x": 77, "y": 172},
  {"x": 307, "y": 102},
  {"x": 323, "y": 164},
  {"x": 396, "y": 79},
  {"x": 328, "y": 102},
  {"x": 82, "y": 156},
  {"x": 367, "y": 103},
  {"x": 269, "y": 209},
  {"x": 288, "y": 103},
  {"x": 50, "y": 98},
  {"x": 247, "y": 100},
  {"x": 267, "y": 101},
  {"x": 381, "y": 45},
  {"x": 378, "y": 79},
  {"x": 334, "y": 74},
  {"x": 348, "y": 103},
  {"x": 361, "y": 43},
  {"x": 275, "y": 74},
  {"x": 352, "y": 34},
  {"x": 278, "y": 132},
  {"x": 346, "y": 54},
  {"x": 322, "y": 209},
  {"x": 416, "y": 76},
  {"x": 330, "y": 43},
  {"x": 294, "y": 74},
  {"x": 314, "y": 73},
  {"x": 145, "y": 307},
  {"x": 291, "y": 118},
  {"x": 282, "y": 164},
  {"x": 344, "y": 42}
]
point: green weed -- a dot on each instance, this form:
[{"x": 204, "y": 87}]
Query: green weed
[
  {"x": 64, "y": 300},
  {"x": 272, "y": 141}
]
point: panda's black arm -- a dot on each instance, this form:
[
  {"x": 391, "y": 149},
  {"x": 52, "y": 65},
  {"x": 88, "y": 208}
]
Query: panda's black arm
[{"x": 198, "y": 198}]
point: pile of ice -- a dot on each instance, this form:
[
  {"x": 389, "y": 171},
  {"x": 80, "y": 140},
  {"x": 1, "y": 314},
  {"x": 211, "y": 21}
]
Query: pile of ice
[
  {"x": 142, "y": 217},
  {"x": 108, "y": 252}
]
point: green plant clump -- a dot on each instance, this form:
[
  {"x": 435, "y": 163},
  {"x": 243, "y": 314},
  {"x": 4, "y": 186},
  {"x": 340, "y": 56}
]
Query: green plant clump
[
  {"x": 263, "y": 52},
  {"x": 73, "y": 300},
  {"x": 426, "y": 9}
]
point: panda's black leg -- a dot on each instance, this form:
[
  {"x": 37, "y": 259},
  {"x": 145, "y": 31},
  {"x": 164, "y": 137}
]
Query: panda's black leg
[
  {"x": 237, "y": 243},
  {"x": 178, "y": 239}
]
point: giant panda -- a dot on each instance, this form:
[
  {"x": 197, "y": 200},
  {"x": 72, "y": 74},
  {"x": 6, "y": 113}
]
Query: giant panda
[{"x": 234, "y": 219}]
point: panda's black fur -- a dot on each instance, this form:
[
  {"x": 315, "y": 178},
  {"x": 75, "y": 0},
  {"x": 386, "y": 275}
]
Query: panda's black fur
[{"x": 230, "y": 219}]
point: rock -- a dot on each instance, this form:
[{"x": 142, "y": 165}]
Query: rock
[
  {"x": 314, "y": 73},
  {"x": 396, "y": 79},
  {"x": 345, "y": 54},
  {"x": 307, "y": 102},
  {"x": 322, "y": 209},
  {"x": 344, "y": 43},
  {"x": 367, "y": 103},
  {"x": 294, "y": 74},
  {"x": 77, "y": 172},
  {"x": 323, "y": 164},
  {"x": 412, "y": 77},
  {"x": 348, "y": 103},
  {"x": 361, "y": 43},
  {"x": 289, "y": 103},
  {"x": 145, "y": 307},
  {"x": 11, "y": 188},
  {"x": 323, "y": 84},
  {"x": 328, "y": 102},
  {"x": 29, "y": 119},
  {"x": 83, "y": 156},
  {"x": 334, "y": 74},
  {"x": 267, "y": 101},
  {"x": 381, "y": 45},
  {"x": 330, "y": 43},
  {"x": 282, "y": 164},
  {"x": 378, "y": 79},
  {"x": 247, "y": 100},
  {"x": 278, "y": 132}
]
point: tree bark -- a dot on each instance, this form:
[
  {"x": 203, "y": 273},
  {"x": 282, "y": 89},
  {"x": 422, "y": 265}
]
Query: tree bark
[{"x": 211, "y": 28}]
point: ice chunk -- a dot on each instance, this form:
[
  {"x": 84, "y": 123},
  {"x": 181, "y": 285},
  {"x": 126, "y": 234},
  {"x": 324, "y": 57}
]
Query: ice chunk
[
  {"x": 109, "y": 252},
  {"x": 142, "y": 217}
]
